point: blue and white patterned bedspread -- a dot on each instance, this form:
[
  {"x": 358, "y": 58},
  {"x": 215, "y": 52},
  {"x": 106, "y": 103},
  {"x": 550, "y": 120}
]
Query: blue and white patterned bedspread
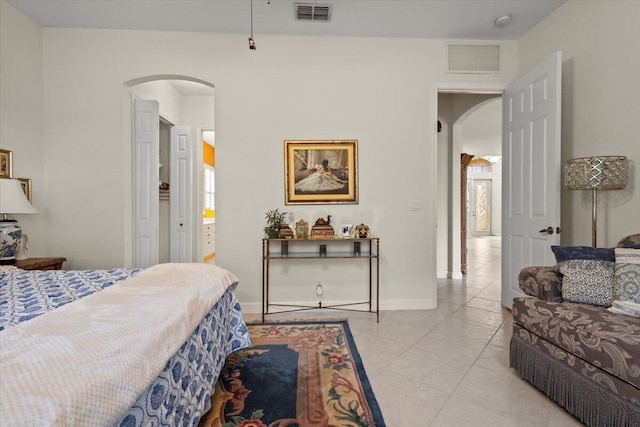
[
  {"x": 25, "y": 295},
  {"x": 180, "y": 394}
]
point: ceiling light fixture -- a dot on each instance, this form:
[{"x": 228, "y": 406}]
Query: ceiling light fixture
[
  {"x": 252, "y": 43},
  {"x": 503, "y": 21}
]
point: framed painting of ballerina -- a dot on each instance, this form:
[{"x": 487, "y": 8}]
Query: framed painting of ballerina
[{"x": 320, "y": 172}]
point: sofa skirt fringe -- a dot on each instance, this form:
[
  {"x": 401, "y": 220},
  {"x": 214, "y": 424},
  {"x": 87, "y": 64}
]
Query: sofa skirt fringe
[{"x": 585, "y": 399}]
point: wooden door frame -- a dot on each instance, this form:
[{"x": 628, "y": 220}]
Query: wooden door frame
[{"x": 465, "y": 159}]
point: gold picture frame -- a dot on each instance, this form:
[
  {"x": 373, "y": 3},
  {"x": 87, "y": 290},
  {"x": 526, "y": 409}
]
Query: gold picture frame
[
  {"x": 321, "y": 172},
  {"x": 25, "y": 183},
  {"x": 6, "y": 167}
]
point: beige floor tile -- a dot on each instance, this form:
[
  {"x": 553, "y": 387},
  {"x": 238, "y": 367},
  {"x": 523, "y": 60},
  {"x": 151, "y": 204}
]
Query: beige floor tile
[
  {"x": 405, "y": 405},
  {"x": 490, "y": 294},
  {"x": 489, "y": 305},
  {"x": 480, "y": 316},
  {"x": 378, "y": 352},
  {"x": 446, "y": 309},
  {"x": 502, "y": 338},
  {"x": 477, "y": 332},
  {"x": 461, "y": 413},
  {"x": 504, "y": 392},
  {"x": 454, "y": 298},
  {"x": 446, "y": 348}
]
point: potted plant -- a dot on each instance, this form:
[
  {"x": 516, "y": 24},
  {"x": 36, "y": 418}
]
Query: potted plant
[{"x": 275, "y": 221}]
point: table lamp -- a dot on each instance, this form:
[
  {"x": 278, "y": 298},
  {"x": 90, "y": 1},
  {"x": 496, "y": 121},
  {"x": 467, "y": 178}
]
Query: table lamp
[
  {"x": 596, "y": 173},
  {"x": 12, "y": 201}
]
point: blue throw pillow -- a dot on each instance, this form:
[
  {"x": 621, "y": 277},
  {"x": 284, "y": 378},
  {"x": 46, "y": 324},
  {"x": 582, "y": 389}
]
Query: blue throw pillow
[{"x": 568, "y": 253}]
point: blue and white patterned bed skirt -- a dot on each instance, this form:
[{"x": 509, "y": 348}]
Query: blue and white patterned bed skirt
[{"x": 180, "y": 395}]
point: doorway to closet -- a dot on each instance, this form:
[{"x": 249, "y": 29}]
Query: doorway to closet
[{"x": 170, "y": 118}]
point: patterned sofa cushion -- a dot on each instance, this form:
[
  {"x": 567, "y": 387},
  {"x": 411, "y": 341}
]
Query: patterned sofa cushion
[
  {"x": 629, "y": 241},
  {"x": 587, "y": 281},
  {"x": 587, "y": 274},
  {"x": 627, "y": 282},
  {"x": 608, "y": 340},
  {"x": 541, "y": 282},
  {"x": 569, "y": 253}
]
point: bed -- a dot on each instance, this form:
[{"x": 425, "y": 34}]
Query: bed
[{"x": 123, "y": 347}]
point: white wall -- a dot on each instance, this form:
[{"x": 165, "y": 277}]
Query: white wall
[
  {"x": 21, "y": 115},
  {"x": 600, "y": 105},
  {"x": 482, "y": 130},
  {"x": 380, "y": 91}
]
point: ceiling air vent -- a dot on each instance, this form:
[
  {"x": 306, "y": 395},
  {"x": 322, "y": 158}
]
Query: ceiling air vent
[
  {"x": 473, "y": 58},
  {"x": 312, "y": 12}
]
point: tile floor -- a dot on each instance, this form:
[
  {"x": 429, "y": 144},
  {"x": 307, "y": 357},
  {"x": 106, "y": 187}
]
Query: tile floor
[{"x": 450, "y": 366}]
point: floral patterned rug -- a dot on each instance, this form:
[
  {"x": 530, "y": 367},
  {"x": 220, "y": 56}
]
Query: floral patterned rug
[{"x": 295, "y": 375}]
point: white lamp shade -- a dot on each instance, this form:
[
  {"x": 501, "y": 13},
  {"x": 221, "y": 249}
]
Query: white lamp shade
[{"x": 13, "y": 199}]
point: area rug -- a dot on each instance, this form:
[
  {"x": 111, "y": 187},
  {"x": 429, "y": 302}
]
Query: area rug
[{"x": 295, "y": 374}]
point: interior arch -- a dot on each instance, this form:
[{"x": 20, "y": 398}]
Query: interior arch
[{"x": 198, "y": 88}]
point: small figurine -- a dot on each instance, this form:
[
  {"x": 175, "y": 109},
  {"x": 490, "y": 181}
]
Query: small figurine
[
  {"x": 322, "y": 221},
  {"x": 362, "y": 231},
  {"x": 302, "y": 229},
  {"x": 285, "y": 232},
  {"x": 346, "y": 230},
  {"x": 21, "y": 253},
  {"x": 322, "y": 229}
]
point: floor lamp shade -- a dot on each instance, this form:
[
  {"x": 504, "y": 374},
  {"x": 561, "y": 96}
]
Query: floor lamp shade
[
  {"x": 596, "y": 173},
  {"x": 12, "y": 201}
]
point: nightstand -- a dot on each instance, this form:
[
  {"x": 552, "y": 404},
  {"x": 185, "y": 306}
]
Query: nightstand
[{"x": 40, "y": 263}]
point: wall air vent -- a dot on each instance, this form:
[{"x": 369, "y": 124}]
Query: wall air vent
[
  {"x": 473, "y": 58},
  {"x": 312, "y": 12}
]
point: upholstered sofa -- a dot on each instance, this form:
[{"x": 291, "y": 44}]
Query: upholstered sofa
[{"x": 584, "y": 357}]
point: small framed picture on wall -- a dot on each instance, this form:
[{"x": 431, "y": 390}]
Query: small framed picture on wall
[
  {"x": 25, "y": 183},
  {"x": 5, "y": 164}
]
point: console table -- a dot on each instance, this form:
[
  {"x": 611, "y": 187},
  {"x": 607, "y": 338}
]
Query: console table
[{"x": 281, "y": 250}]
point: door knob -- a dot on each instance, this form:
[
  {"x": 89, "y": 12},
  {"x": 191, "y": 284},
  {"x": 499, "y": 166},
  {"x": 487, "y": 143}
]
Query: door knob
[{"x": 548, "y": 230}]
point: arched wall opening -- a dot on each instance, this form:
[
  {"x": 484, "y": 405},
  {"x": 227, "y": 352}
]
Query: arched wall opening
[
  {"x": 183, "y": 102},
  {"x": 454, "y": 108}
]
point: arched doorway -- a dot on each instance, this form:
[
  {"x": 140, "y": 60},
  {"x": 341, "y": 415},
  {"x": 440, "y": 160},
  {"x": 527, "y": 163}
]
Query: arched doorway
[
  {"x": 455, "y": 109},
  {"x": 170, "y": 113}
]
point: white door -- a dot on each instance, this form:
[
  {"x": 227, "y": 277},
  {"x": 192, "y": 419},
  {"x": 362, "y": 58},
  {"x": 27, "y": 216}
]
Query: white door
[
  {"x": 180, "y": 204},
  {"x": 531, "y": 172},
  {"x": 480, "y": 207},
  {"x": 145, "y": 183}
]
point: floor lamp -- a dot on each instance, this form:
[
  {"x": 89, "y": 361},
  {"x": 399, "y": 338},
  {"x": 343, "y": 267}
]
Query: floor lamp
[{"x": 596, "y": 173}]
